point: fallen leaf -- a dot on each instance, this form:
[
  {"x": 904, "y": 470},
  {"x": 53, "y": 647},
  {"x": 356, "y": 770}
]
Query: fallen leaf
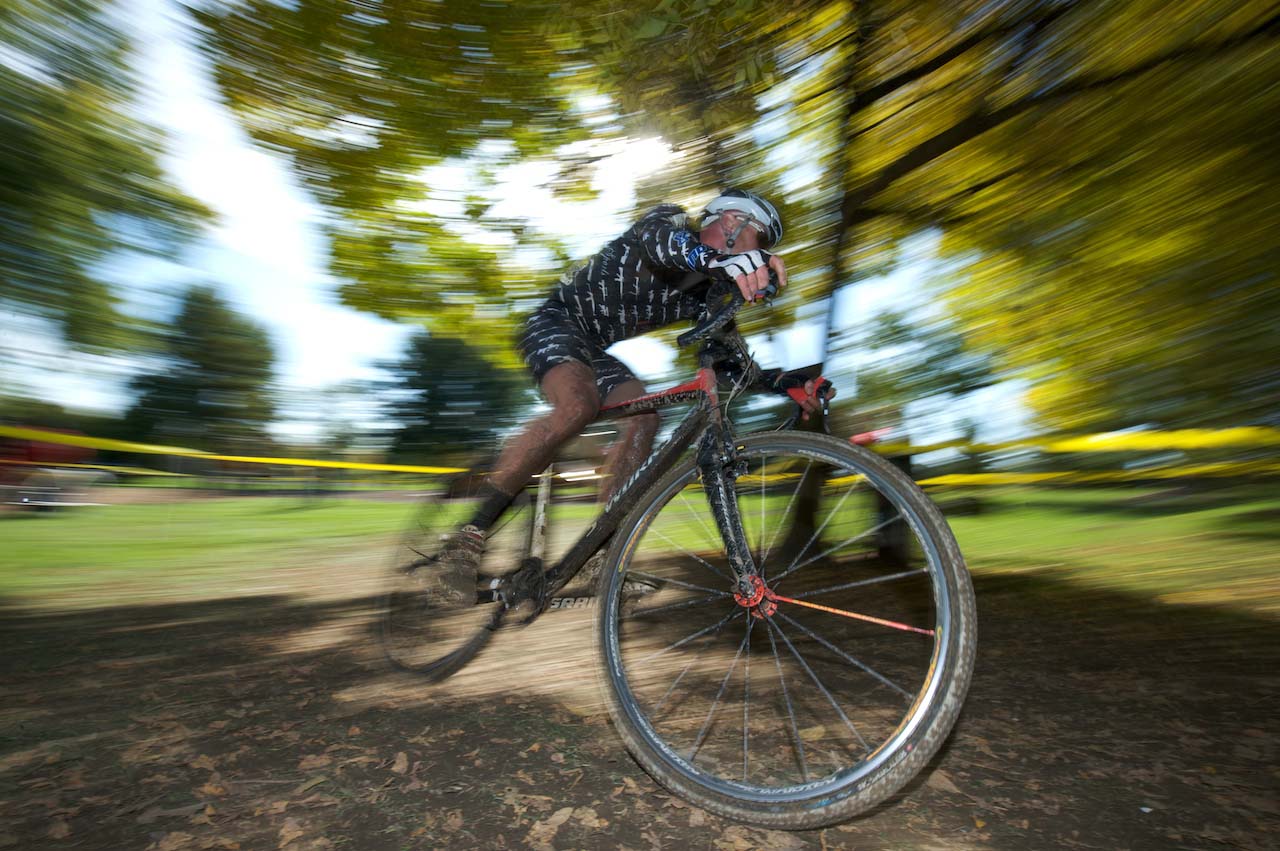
[
  {"x": 586, "y": 816},
  {"x": 542, "y": 832},
  {"x": 319, "y": 801},
  {"x": 172, "y": 842},
  {"x": 59, "y": 830},
  {"x": 278, "y": 807},
  {"x": 310, "y": 784},
  {"x": 697, "y": 818},
  {"x": 202, "y": 761},
  {"x": 939, "y": 779},
  {"x": 353, "y": 730},
  {"x": 290, "y": 831},
  {"x": 314, "y": 761},
  {"x": 401, "y": 764},
  {"x": 453, "y": 823},
  {"x": 979, "y": 823},
  {"x": 735, "y": 838},
  {"x": 557, "y": 757}
]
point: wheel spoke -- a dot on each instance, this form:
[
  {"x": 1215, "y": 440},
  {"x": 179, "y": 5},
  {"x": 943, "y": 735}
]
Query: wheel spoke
[
  {"x": 746, "y": 699},
  {"x": 715, "y": 627},
  {"x": 855, "y": 615},
  {"x": 715, "y": 704},
  {"x": 687, "y": 665},
  {"x": 822, "y": 688},
  {"x": 708, "y": 565},
  {"x": 685, "y": 604},
  {"x": 711, "y": 536},
  {"x": 764, "y": 462},
  {"x": 786, "y": 512},
  {"x": 796, "y": 566},
  {"x": 681, "y": 584},
  {"x": 874, "y": 580},
  {"x": 786, "y": 699},
  {"x": 845, "y": 656},
  {"x": 816, "y": 534}
]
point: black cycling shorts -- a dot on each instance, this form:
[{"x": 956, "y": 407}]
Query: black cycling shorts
[{"x": 551, "y": 337}]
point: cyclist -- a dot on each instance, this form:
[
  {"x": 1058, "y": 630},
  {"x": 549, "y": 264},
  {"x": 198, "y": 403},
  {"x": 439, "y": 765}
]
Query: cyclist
[{"x": 656, "y": 273}]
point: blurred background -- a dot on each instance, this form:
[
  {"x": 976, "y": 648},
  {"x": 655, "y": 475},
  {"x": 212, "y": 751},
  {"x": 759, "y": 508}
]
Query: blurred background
[
  {"x": 1033, "y": 243},
  {"x": 309, "y": 230}
]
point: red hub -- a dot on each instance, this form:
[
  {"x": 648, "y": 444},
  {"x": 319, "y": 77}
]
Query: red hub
[{"x": 760, "y": 600}]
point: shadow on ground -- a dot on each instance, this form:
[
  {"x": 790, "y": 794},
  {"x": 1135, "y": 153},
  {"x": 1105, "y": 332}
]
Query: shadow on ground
[{"x": 1095, "y": 721}]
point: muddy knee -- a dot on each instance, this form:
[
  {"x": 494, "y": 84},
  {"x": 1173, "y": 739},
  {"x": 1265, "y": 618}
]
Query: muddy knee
[{"x": 571, "y": 416}]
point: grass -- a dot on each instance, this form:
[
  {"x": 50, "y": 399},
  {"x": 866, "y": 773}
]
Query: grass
[
  {"x": 192, "y": 542},
  {"x": 1215, "y": 547}
]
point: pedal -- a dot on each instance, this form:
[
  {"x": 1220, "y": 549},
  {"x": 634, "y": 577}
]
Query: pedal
[{"x": 526, "y": 585}]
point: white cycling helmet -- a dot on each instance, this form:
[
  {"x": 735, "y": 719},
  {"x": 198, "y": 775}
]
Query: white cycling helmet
[{"x": 761, "y": 215}]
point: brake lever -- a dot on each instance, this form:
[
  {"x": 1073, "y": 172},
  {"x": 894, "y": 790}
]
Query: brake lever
[{"x": 798, "y": 395}]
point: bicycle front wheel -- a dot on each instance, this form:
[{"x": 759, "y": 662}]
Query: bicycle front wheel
[{"x": 826, "y": 690}]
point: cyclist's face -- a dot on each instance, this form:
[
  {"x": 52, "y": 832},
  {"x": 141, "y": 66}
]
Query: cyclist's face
[{"x": 717, "y": 233}]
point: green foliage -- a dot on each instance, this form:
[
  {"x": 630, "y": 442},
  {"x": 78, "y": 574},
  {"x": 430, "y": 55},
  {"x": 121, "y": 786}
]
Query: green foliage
[
  {"x": 79, "y": 178},
  {"x": 915, "y": 360},
  {"x": 1102, "y": 186},
  {"x": 1097, "y": 181},
  {"x": 449, "y": 401},
  {"x": 213, "y": 391}
]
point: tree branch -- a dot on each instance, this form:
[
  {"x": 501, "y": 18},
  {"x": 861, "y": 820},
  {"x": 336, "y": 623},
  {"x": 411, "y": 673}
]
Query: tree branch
[
  {"x": 854, "y": 206},
  {"x": 887, "y": 87}
]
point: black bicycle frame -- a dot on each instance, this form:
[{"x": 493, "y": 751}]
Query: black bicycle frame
[{"x": 716, "y": 458}]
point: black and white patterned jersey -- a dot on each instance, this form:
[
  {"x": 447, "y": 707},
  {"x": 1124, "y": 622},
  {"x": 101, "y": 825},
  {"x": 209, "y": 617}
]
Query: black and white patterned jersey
[{"x": 644, "y": 279}]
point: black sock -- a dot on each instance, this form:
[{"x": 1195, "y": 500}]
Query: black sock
[{"x": 492, "y": 503}]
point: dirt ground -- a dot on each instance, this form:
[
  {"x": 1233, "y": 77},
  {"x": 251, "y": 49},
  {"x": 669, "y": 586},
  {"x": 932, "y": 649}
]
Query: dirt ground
[{"x": 1094, "y": 721}]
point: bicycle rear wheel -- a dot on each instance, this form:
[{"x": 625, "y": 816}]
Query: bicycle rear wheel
[
  {"x": 422, "y": 630},
  {"x": 821, "y": 695}
]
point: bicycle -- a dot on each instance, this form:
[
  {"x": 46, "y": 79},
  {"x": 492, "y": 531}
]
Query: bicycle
[{"x": 773, "y": 548}]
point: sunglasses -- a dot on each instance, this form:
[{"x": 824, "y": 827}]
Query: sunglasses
[{"x": 734, "y": 222}]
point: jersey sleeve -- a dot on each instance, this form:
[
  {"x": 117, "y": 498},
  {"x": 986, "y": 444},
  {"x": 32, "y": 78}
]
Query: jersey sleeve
[{"x": 667, "y": 241}]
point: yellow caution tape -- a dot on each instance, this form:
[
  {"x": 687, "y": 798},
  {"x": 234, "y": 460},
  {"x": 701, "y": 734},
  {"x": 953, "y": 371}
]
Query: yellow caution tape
[
  {"x": 1243, "y": 468},
  {"x": 1181, "y": 439},
  {"x": 1145, "y": 441},
  {"x": 128, "y": 446},
  {"x": 132, "y": 471}
]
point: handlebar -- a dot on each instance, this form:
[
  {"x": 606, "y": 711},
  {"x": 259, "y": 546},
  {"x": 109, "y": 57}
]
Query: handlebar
[{"x": 723, "y": 315}]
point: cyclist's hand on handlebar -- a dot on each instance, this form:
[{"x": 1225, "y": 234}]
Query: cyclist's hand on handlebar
[
  {"x": 750, "y": 271},
  {"x": 808, "y": 393},
  {"x": 815, "y": 391},
  {"x": 779, "y": 270}
]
